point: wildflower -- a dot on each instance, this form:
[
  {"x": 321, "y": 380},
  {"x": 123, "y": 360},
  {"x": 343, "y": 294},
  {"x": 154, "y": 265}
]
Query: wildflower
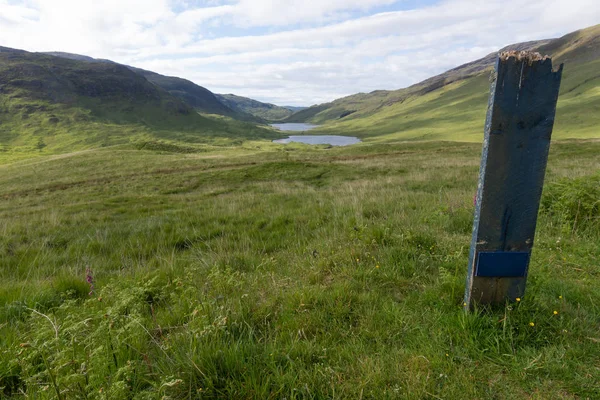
[
  {"x": 357, "y": 260},
  {"x": 560, "y": 297},
  {"x": 555, "y": 312},
  {"x": 377, "y": 266},
  {"x": 446, "y": 354},
  {"x": 531, "y": 324},
  {"x": 518, "y": 299},
  {"x": 464, "y": 304},
  {"x": 89, "y": 279}
]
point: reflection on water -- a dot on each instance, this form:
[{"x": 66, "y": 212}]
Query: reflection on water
[
  {"x": 294, "y": 127},
  {"x": 333, "y": 140}
]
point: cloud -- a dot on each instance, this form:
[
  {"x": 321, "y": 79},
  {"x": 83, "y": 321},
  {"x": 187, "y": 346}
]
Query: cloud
[
  {"x": 289, "y": 51},
  {"x": 287, "y": 12}
]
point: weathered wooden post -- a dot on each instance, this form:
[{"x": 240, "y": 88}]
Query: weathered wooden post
[{"x": 518, "y": 127}]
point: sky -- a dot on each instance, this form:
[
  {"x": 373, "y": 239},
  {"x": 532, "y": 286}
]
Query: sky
[{"x": 289, "y": 52}]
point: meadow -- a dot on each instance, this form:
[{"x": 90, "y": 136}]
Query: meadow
[{"x": 169, "y": 271}]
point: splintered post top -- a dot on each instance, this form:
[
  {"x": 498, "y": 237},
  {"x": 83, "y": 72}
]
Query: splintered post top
[{"x": 529, "y": 56}]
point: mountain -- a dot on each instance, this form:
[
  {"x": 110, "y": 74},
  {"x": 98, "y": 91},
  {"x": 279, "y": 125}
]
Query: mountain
[
  {"x": 366, "y": 103},
  {"x": 265, "y": 111},
  {"x": 61, "y": 104},
  {"x": 452, "y": 105},
  {"x": 294, "y": 108},
  {"x": 196, "y": 96}
]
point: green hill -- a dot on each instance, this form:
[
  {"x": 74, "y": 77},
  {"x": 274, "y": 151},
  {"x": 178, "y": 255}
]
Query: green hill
[
  {"x": 202, "y": 99},
  {"x": 452, "y": 106},
  {"x": 265, "y": 111},
  {"x": 196, "y": 96},
  {"x": 54, "y": 104}
]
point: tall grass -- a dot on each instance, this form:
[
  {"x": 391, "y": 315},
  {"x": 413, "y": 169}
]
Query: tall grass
[{"x": 267, "y": 271}]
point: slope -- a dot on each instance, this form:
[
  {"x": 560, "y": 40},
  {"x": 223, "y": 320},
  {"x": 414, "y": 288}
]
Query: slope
[
  {"x": 196, "y": 96},
  {"x": 56, "y": 105},
  {"x": 265, "y": 111},
  {"x": 452, "y": 105}
]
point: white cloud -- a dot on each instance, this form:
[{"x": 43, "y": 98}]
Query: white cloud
[
  {"x": 286, "y": 12},
  {"x": 288, "y": 51}
]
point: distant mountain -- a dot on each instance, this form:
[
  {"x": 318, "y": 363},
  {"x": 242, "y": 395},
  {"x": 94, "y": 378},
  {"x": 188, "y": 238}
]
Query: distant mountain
[
  {"x": 295, "y": 109},
  {"x": 362, "y": 103},
  {"x": 265, "y": 111},
  {"x": 452, "y": 105},
  {"x": 64, "y": 104},
  {"x": 76, "y": 57},
  {"x": 10, "y": 50},
  {"x": 198, "y": 97}
]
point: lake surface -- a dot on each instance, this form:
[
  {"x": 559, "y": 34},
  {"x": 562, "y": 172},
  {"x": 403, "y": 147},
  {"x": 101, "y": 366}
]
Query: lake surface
[
  {"x": 333, "y": 140},
  {"x": 294, "y": 127}
]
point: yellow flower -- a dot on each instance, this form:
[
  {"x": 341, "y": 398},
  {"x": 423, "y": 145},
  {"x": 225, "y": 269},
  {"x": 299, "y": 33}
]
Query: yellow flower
[
  {"x": 555, "y": 312},
  {"x": 560, "y": 297},
  {"x": 531, "y": 324},
  {"x": 464, "y": 304},
  {"x": 377, "y": 266},
  {"x": 357, "y": 260},
  {"x": 518, "y": 299}
]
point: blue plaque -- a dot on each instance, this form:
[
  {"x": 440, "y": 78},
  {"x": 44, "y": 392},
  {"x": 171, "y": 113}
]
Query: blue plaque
[{"x": 502, "y": 264}]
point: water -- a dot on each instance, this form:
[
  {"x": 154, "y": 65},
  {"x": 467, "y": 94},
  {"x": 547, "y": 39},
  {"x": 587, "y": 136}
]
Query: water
[
  {"x": 294, "y": 127},
  {"x": 333, "y": 140}
]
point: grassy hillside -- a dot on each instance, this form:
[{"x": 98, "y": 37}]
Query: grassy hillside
[
  {"x": 286, "y": 272},
  {"x": 452, "y": 106},
  {"x": 201, "y": 99},
  {"x": 51, "y": 104},
  {"x": 198, "y": 97},
  {"x": 264, "y": 111}
]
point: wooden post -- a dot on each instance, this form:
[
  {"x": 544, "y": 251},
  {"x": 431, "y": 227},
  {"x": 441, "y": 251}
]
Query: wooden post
[{"x": 520, "y": 118}]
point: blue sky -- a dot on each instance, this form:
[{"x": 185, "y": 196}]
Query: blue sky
[{"x": 289, "y": 52}]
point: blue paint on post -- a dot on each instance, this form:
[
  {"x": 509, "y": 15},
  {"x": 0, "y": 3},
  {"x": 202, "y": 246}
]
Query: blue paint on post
[
  {"x": 519, "y": 122},
  {"x": 502, "y": 263}
]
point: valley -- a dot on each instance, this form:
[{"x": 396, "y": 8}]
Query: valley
[{"x": 157, "y": 243}]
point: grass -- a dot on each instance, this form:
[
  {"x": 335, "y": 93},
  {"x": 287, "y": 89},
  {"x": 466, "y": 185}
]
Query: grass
[
  {"x": 266, "y": 271},
  {"x": 51, "y": 105},
  {"x": 38, "y": 128}
]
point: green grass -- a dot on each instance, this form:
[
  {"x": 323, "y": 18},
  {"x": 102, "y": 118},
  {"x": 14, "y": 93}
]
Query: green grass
[
  {"x": 266, "y": 271},
  {"x": 51, "y": 105}
]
